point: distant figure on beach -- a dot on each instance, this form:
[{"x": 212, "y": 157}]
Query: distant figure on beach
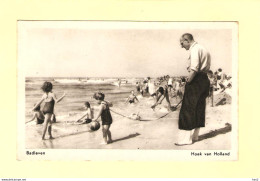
[
  {"x": 176, "y": 88},
  {"x": 131, "y": 98},
  {"x": 138, "y": 86},
  {"x": 226, "y": 83},
  {"x": 220, "y": 75},
  {"x": 119, "y": 82},
  {"x": 106, "y": 118},
  {"x": 151, "y": 87},
  {"x": 39, "y": 116},
  {"x": 211, "y": 88},
  {"x": 49, "y": 99},
  {"x": 159, "y": 95},
  {"x": 192, "y": 113},
  {"x": 89, "y": 114},
  {"x": 145, "y": 87},
  {"x": 182, "y": 87},
  {"x": 170, "y": 85}
]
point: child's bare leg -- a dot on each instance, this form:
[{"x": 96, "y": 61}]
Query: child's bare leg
[
  {"x": 49, "y": 130},
  {"x": 104, "y": 130},
  {"x": 109, "y": 135},
  {"x": 158, "y": 96},
  {"x": 46, "y": 121}
]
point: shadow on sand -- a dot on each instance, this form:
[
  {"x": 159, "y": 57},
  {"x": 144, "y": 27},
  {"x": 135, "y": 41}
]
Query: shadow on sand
[
  {"x": 212, "y": 134},
  {"x": 127, "y": 137},
  {"x": 72, "y": 134}
]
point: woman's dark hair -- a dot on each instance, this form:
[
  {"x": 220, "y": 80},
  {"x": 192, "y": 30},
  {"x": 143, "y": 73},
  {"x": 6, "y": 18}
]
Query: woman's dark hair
[
  {"x": 99, "y": 96},
  {"x": 87, "y": 104},
  {"x": 220, "y": 69},
  {"x": 47, "y": 87}
]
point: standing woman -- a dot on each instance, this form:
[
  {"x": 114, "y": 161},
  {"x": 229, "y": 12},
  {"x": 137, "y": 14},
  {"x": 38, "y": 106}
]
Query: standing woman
[{"x": 49, "y": 98}]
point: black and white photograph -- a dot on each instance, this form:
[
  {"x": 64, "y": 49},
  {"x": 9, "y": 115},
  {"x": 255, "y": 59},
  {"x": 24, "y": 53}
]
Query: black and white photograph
[{"x": 127, "y": 90}]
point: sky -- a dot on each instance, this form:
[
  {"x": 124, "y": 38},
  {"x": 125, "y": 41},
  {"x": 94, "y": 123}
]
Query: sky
[{"x": 116, "y": 49}]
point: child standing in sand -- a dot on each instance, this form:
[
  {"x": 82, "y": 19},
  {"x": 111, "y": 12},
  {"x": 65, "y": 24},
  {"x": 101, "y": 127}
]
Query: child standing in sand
[
  {"x": 138, "y": 86},
  {"x": 89, "y": 114},
  {"x": 49, "y": 98},
  {"x": 131, "y": 98},
  {"x": 106, "y": 118}
]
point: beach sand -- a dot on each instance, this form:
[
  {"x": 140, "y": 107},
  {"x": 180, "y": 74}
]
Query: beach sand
[{"x": 151, "y": 134}]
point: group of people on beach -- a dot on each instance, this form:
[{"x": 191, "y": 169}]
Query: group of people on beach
[
  {"x": 192, "y": 91},
  {"x": 219, "y": 82},
  {"x": 161, "y": 88},
  {"x": 46, "y": 115}
]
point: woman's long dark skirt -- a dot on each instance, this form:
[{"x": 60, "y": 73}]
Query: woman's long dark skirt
[{"x": 192, "y": 113}]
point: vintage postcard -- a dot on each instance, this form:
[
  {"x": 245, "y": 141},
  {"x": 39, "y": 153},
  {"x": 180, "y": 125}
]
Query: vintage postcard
[{"x": 125, "y": 90}]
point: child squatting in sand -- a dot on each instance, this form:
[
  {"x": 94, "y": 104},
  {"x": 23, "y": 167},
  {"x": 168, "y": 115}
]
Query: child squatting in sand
[
  {"x": 131, "y": 98},
  {"x": 89, "y": 114},
  {"x": 49, "y": 98},
  {"x": 159, "y": 95},
  {"x": 39, "y": 116},
  {"x": 106, "y": 118}
]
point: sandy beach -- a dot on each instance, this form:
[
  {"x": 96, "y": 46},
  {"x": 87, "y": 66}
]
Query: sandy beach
[{"x": 127, "y": 133}]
